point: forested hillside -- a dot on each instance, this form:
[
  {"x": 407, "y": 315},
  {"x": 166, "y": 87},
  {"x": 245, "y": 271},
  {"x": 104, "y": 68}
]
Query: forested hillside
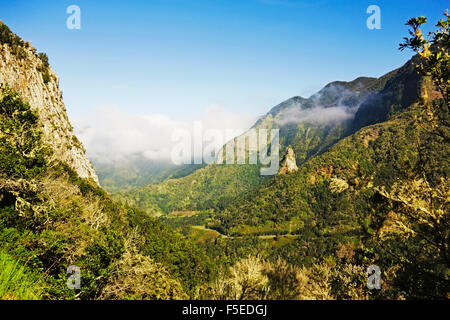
[
  {"x": 369, "y": 189},
  {"x": 137, "y": 171},
  {"x": 310, "y": 126}
]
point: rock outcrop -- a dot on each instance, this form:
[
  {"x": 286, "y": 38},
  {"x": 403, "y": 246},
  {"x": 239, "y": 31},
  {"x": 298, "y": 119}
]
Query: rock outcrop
[
  {"x": 38, "y": 85},
  {"x": 288, "y": 164}
]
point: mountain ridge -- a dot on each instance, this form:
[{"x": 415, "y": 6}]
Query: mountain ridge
[
  {"x": 29, "y": 74},
  {"x": 307, "y": 139}
]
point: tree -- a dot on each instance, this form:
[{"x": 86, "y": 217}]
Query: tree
[
  {"x": 415, "y": 232},
  {"x": 433, "y": 51}
]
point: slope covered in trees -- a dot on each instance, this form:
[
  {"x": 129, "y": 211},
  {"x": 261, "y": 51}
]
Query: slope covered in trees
[{"x": 378, "y": 196}]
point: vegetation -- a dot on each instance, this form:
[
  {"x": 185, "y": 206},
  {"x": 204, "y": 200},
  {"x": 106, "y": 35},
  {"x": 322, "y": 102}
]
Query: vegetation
[
  {"x": 15, "y": 44},
  {"x": 19, "y": 48},
  {"x": 51, "y": 219},
  {"x": 217, "y": 186},
  {"x": 21, "y": 153},
  {"x": 434, "y": 52},
  {"x": 16, "y": 282},
  {"x": 372, "y": 190},
  {"x": 127, "y": 175},
  {"x": 383, "y": 191},
  {"x": 198, "y": 191},
  {"x": 254, "y": 278},
  {"x": 45, "y": 67},
  {"x": 378, "y": 196}
]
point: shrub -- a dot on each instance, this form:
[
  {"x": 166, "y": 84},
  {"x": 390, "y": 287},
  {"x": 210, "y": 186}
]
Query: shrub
[
  {"x": 15, "y": 44},
  {"x": 44, "y": 58},
  {"x": 22, "y": 153}
]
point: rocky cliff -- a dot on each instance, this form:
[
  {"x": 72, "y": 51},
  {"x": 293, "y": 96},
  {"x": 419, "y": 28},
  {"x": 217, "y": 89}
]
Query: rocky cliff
[
  {"x": 28, "y": 73},
  {"x": 288, "y": 164}
]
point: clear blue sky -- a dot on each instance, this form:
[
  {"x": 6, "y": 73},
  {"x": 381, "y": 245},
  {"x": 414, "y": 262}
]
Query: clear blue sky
[{"x": 177, "y": 57}]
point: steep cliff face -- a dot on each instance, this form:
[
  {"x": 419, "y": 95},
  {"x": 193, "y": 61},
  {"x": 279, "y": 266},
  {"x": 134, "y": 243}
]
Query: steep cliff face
[{"x": 32, "y": 78}]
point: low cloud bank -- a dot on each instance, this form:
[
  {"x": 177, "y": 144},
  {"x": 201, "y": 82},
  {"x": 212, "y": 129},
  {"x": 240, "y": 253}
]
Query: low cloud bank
[
  {"x": 317, "y": 114},
  {"x": 320, "y": 113},
  {"x": 111, "y": 134}
]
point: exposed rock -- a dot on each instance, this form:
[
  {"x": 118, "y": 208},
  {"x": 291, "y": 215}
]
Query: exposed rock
[
  {"x": 25, "y": 76},
  {"x": 288, "y": 163}
]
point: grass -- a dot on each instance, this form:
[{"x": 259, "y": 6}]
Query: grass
[
  {"x": 200, "y": 234},
  {"x": 16, "y": 283}
]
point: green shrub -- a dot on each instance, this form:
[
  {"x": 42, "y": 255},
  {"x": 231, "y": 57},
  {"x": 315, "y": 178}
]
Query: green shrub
[
  {"x": 15, "y": 44},
  {"x": 22, "y": 153},
  {"x": 44, "y": 58}
]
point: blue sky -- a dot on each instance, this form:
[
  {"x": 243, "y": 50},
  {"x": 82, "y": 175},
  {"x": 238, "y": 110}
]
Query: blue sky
[{"x": 178, "y": 57}]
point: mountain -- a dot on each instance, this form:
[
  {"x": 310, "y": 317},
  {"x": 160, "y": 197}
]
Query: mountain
[
  {"x": 288, "y": 164},
  {"x": 367, "y": 185},
  {"x": 378, "y": 196},
  {"x": 310, "y": 126},
  {"x": 213, "y": 186},
  {"x": 29, "y": 74},
  {"x": 401, "y": 88},
  {"x": 53, "y": 214},
  {"x": 136, "y": 171},
  {"x": 366, "y": 102}
]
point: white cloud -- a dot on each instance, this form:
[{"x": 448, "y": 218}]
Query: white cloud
[
  {"x": 111, "y": 133},
  {"x": 317, "y": 114}
]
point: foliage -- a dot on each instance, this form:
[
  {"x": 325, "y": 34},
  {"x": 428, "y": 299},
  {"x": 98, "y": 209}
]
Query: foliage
[
  {"x": 434, "y": 52},
  {"x": 217, "y": 186},
  {"x": 383, "y": 190},
  {"x": 181, "y": 256},
  {"x": 44, "y": 59},
  {"x": 257, "y": 279},
  {"x": 134, "y": 172},
  {"x": 21, "y": 153},
  {"x": 17, "y": 283},
  {"x": 15, "y": 44},
  {"x": 373, "y": 190},
  {"x": 50, "y": 218},
  {"x": 212, "y": 187},
  {"x": 246, "y": 282},
  {"x": 45, "y": 67},
  {"x": 138, "y": 277}
]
